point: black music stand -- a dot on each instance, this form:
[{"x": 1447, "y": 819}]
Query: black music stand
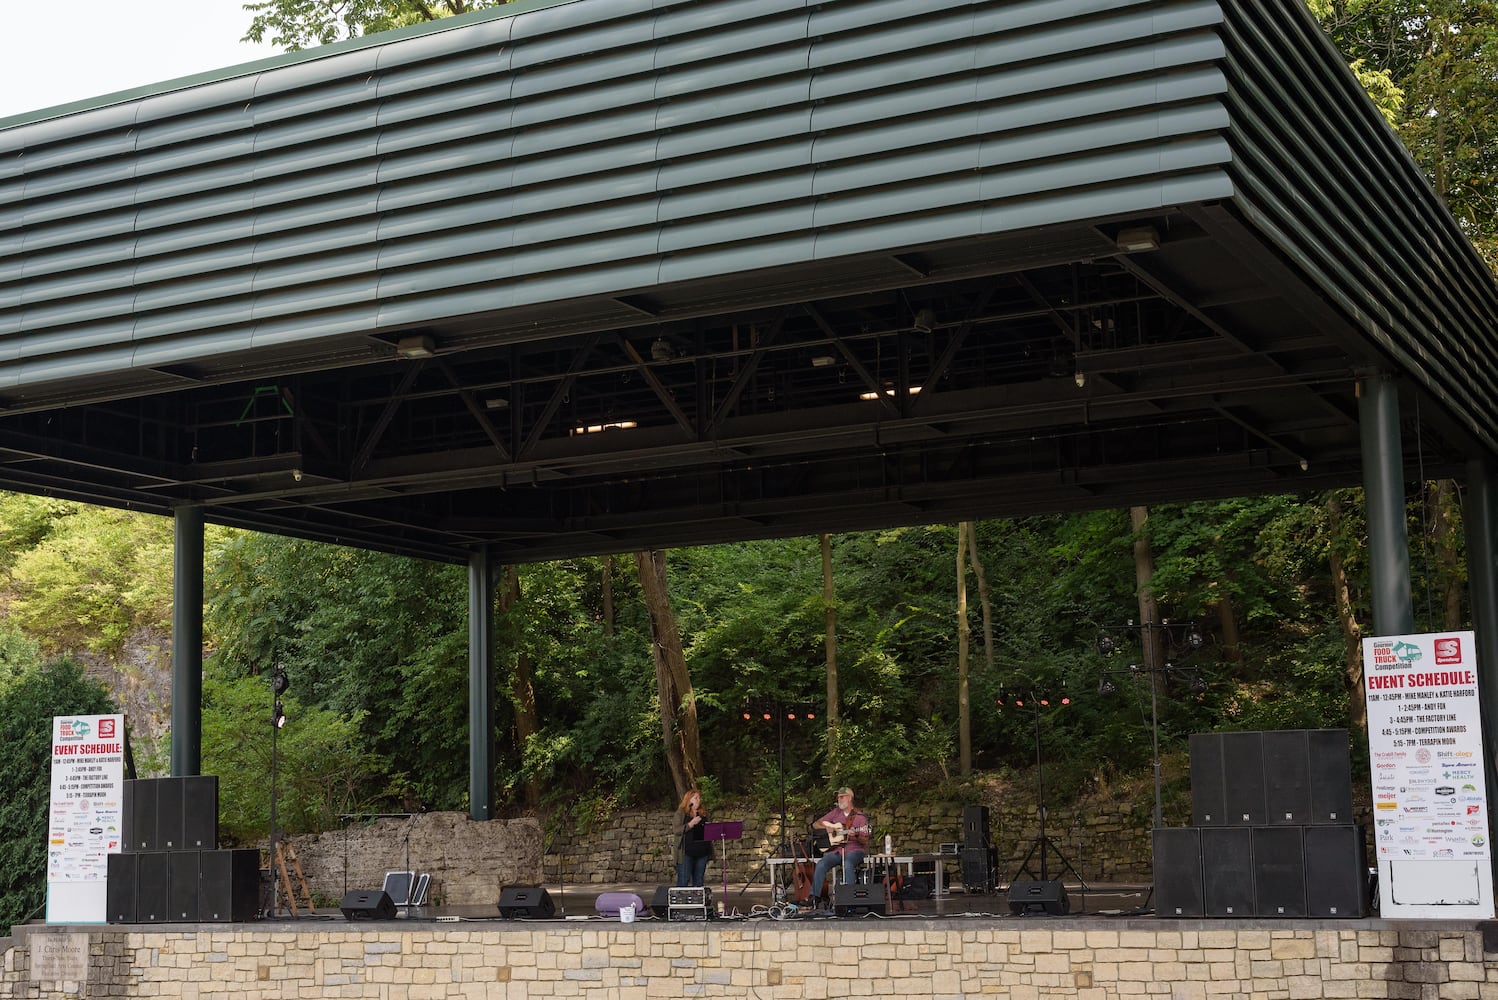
[{"x": 726, "y": 831}]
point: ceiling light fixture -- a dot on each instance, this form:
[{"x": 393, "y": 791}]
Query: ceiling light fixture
[
  {"x": 914, "y": 390},
  {"x": 615, "y": 425},
  {"x": 823, "y": 361},
  {"x": 416, "y": 347},
  {"x": 1138, "y": 239}
]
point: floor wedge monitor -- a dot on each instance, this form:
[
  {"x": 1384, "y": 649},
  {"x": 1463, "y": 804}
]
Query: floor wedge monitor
[{"x": 526, "y": 902}]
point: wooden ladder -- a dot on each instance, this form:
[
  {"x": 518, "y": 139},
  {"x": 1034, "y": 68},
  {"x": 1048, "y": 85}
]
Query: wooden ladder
[{"x": 286, "y": 852}]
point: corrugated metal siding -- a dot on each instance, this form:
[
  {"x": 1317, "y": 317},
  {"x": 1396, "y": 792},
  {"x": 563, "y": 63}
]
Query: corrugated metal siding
[
  {"x": 1326, "y": 181},
  {"x": 594, "y": 147}
]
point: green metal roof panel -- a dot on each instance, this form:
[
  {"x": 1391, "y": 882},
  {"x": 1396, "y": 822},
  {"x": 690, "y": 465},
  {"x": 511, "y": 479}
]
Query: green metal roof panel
[{"x": 608, "y": 146}]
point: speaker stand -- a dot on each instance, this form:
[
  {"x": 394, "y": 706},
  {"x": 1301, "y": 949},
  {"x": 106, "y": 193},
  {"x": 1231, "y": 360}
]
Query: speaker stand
[{"x": 1043, "y": 844}]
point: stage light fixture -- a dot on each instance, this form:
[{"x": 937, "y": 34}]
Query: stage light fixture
[
  {"x": 1106, "y": 644},
  {"x": 279, "y": 715},
  {"x": 1105, "y": 686},
  {"x": 1198, "y": 684},
  {"x": 1194, "y": 639},
  {"x": 279, "y": 681}
]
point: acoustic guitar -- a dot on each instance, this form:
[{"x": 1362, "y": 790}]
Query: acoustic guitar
[{"x": 837, "y": 833}]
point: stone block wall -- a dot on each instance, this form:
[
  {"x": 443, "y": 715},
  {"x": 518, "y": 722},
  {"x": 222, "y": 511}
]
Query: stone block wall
[
  {"x": 1082, "y": 959},
  {"x": 1103, "y": 841},
  {"x": 470, "y": 861}
]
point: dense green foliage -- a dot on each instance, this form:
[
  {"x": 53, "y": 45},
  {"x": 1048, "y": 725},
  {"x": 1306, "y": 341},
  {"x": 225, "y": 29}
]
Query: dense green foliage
[{"x": 29, "y": 698}]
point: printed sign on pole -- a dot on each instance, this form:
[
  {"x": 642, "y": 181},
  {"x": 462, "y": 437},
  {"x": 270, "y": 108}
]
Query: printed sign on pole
[
  {"x": 1430, "y": 808},
  {"x": 86, "y": 819}
]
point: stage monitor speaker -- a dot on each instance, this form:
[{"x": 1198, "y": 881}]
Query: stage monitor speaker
[
  {"x": 151, "y": 877},
  {"x": 1336, "y": 871},
  {"x": 1227, "y": 871},
  {"x": 858, "y": 899},
  {"x": 169, "y": 813},
  {"x": 1050, "y": 897},
  {"x": 918, "y": 886},
  {"x": 368, "y": 904},
  {"x": 1287, "y": 777},
  {"x": 977, "y": 869},
  {"x": 1243, "y": 779},
  {"x": 1207, "y": 807},
  {"x": 120, "y": 889},
  {"x": 182, "y": 886},
  {"x": 228, "y": 885},
  {"x": 660, "y": 903},
  {"x": 200, "y": 812},
  {"x": 1331, "y": 776},
  {"x": 526, "y": 902},
  {"x": 975, "y": 827},
  {"x": 1178, "y": 872},
  {"x": 1279, "y": 871},
  {"x": 138, "y": 808}
]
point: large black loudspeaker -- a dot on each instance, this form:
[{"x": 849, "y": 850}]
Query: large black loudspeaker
[
  {"x": 182, "y": 886},
  {"x": 1331, "y": 776},
  {"x": 151, "y": 877},
  {"x": 975, "y": 827},
  {"x": 1227, "y": 871},
  {"x": 977, "y": 869},
  {"x": 1026, "y": 896},
  {"x": 119, "y": 891},
  {"x": 1207, "y": 807},
  {"x": 525, "y": 902},
  {"x": 169, "y": 813},
  {"x": 368, "y": 904},
  {"x": 1279, "y": 871},
  {"x": 1287, "y": 777},
  {"x": 660, "y": 904},
  {"x": 138, "y": 809},
  {"x": 200, "y": 812},
  {"x": 1243, "y": 779},
  {"x": 1336, "y": 871},
  {"x": 857, "y": 899},
  {"x": 228, "y": 885},
  {"x": 1178, "y": 873}
]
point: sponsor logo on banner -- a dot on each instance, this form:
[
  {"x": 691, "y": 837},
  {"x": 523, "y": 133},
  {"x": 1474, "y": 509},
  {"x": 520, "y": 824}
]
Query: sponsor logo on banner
[
  {"x": 1445, "y": 790},
  {"x": 1448, "y": 651},
  {"x": 106, "y": 729},
  {"x": 1422, "y": 755}
]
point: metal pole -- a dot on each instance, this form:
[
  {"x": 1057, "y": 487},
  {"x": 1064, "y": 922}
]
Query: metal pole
[
  {"x": 275, "y": 839},
  {"x": 1040, "y": 789},
  {"x": 1155, "y": 738}
]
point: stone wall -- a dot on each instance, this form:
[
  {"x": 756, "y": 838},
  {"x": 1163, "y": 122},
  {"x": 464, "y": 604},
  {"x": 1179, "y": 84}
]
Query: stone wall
[
  {"x": 470, "y": 861},
  {"x": 1082, "y": 959},
  {"x": 1105, "y": 841}
]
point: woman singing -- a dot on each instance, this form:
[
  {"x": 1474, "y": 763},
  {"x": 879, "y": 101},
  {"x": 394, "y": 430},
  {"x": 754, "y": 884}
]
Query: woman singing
[{"x": 692, "y": 852}]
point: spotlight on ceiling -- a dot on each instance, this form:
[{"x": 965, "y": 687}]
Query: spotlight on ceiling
[
  {"x": 416, "y": 347},
  {"x": 1138, "y": 239},
  {"x": 823, "y": 361},
  {"x": 661, "y": 350}
]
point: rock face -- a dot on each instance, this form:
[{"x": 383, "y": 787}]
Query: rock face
[{"x": 469, "y": 861}]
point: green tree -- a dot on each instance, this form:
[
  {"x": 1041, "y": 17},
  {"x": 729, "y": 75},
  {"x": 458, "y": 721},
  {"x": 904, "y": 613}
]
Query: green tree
[
  {"x": 298, "y": 24},
  {"x": 94, "y": 575},
  {"x": 27, "y": 704}
]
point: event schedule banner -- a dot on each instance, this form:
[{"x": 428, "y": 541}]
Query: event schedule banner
[
  {"x": 86, "y": 818},
  {"x": 1430, "y": 808}
]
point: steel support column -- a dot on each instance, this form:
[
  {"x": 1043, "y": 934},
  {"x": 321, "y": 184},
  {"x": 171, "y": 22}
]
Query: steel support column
[
  {"x": 187, "y": 641},
  {"x": 481, "y": 684},
  {"x": 1383, "y": 488},
  {"x": 1479, "y": 515}
]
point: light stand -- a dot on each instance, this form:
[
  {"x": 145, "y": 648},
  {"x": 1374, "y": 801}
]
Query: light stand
[
  {"x": 1178, "y": 636},
  {"x": 1042, "y": 843},
  {"x": 279, "y": 682},
  {"x": 766, "y": 710}
]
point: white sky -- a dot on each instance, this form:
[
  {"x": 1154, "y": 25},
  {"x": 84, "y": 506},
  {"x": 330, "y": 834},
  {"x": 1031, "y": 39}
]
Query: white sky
[{"x": 56, "y": 51}]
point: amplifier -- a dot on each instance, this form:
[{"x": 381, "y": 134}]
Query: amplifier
[{"x": 689, "y": 903}]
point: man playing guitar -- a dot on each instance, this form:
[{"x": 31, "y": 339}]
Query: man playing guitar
[{"x": 848, "y": 830}]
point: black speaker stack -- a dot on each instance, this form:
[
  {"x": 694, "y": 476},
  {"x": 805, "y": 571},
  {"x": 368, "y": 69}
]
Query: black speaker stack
[
  {"x": 1272, "y": 832},
  {"x": 979, "y": 858},
  {"x": 171, "y": 869}
]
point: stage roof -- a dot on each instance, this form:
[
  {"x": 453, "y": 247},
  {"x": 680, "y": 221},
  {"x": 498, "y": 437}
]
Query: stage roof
[{"x": 589, "y": 276}]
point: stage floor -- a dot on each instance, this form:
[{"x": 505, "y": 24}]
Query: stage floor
[{"x": 577, "y": 903}]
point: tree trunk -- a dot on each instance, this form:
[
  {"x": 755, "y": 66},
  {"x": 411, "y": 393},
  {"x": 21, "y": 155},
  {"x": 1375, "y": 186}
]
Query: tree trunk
[
  {"x": 522, "y": 684},
  {"x": 607, "y": 586},
  {"x": 972, "y": 554},
  {"x": 1227, "y": 620},
  {"x": 964, "y": 727},
  {"x": 1352, "y": 632},
  {"x": 1151, "y": 638},
  {"x": 829, "y": 607},
  {"x": 678, "y": 705},
  {"x": 1445, "y": 539}
]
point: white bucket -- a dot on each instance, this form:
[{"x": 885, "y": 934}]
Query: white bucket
[{"x": 627, "y": 913}]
